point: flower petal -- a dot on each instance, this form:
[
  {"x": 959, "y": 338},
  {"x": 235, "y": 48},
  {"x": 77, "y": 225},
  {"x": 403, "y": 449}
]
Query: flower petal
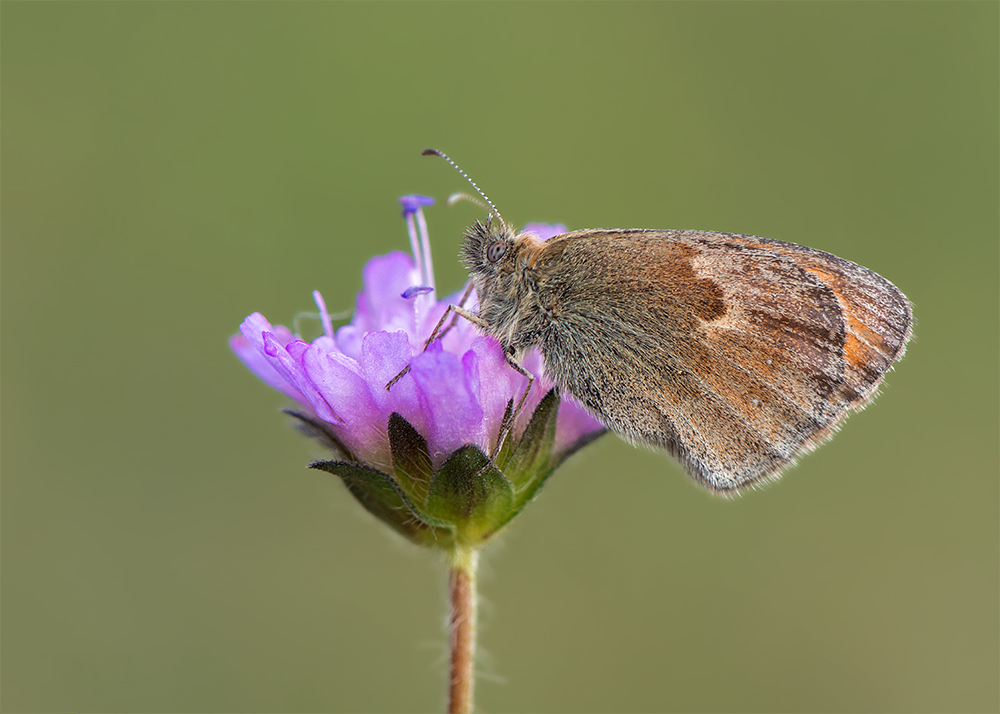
[
  {"x": 342, "y": 385},
  {"x": 383, "y": 356},
  {"x": 448, "y": 401},
  {"x": 257, "y": 362},
  {"x": 497, "y": 382},
  {"x": 291, "y": 369},
  {"x": 380, "y": 304},
  {"x": 249, "y": 347},
  {"x": 544, "y": 230},
  {"x": 348, "y": 340}
]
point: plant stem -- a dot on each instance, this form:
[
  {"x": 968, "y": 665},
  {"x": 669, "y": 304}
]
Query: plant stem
[{"x": 462, "y": 628}]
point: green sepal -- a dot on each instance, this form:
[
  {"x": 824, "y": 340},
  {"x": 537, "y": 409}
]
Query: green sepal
[
  {"x": 321, "y": 431},
  {"x": 531, "y": 461},
  {"x": 471, "y": 493},
  {"x": 383, "y": 498},
  {"x": 411, "y": 459},
  {"x": 470, "y": 498},
  {"x": 507, "y": 447}
]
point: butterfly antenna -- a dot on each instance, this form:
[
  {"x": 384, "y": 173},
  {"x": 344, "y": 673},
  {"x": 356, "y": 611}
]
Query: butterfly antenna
[
  {"x": 435, "y": 152},
  {"x": 463, "y": 196}
]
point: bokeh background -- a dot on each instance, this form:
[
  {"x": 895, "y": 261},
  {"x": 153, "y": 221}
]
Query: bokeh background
[{"x": 169, "y": 168}]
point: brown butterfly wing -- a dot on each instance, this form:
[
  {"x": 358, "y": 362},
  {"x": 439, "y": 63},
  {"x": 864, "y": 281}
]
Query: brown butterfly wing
[{"x": 733, "y": 353}]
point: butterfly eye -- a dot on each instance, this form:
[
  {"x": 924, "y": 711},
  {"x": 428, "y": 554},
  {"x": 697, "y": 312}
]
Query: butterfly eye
[{"x": 495, "y": 251}]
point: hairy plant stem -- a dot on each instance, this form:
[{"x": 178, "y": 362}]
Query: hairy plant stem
[{"x": 462, "y": 628}]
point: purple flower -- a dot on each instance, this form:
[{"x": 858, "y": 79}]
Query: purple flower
[
  {"x": 544, "y": 230},
  {"x": 455, "y": 394}
]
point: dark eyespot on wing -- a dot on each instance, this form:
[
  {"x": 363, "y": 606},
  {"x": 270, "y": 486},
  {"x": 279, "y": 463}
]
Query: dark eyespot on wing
[{"x": 877, "y": 316}]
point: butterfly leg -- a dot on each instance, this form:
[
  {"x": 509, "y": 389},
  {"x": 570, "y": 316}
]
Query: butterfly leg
[
  {"x": 510, "y": 416},
  {"x": 437, "y": 333},
  {"x": 461, "y": 303}
]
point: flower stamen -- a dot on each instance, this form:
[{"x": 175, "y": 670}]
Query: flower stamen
[
  {"x": 425, "y": 244},
  {"x": 420, "y": 246},
  {"x": 415, "y": 290},
  {"x": 324, "y": 316}
]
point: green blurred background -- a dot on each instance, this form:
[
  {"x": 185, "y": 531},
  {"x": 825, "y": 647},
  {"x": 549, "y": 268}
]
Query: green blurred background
[{"x": 169, "y": 168}]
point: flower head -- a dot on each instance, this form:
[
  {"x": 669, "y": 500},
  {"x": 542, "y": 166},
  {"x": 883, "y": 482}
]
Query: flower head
[{"x": 444, "y": 416}]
